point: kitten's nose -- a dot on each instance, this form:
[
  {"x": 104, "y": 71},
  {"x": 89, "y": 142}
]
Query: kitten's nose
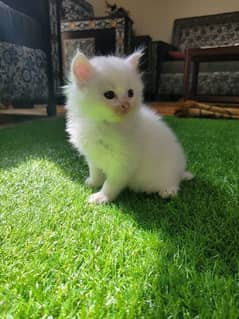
[{"x": 124, "y": 106}]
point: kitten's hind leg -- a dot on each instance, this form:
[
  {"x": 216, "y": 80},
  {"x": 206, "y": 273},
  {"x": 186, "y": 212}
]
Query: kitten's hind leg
[
  {"x": 169, "y": 192},
  {"x": 169, "y": 185},
  {"x": 96, "y": 177},
  {"x": 172, "y": 191},
  {"x": 187, "y": 176}
]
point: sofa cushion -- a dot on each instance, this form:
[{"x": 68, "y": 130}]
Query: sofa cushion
[
  {"x": 216, "y": 34},
  {"x": 214, "y": 83},
  {"x": 73, "y": 10},
  {"x": 23, "y": 75},
  {"x": 17, "y": 27},
  {"x": 211, "y": 30}
]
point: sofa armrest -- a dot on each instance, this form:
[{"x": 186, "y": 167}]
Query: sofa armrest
[
  {"x": 37, "y": 10},
  {"x": 162, "y": 50},
  {"x": 20, "y": 29},
  {"x": 167, "y": 46}
]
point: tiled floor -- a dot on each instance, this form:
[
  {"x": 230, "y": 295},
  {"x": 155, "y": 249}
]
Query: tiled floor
[{"x": 11, "y": 116}]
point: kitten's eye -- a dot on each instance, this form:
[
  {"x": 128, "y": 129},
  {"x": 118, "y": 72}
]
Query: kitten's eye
[
  {"x": 130, "y": 93},
  {"x": 109, "y": 95}
]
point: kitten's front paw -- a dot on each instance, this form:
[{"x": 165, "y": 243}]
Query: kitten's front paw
[
  {"x": 99, "y": 198},
  {"x": 91, "y": 183},
  {"x": 169, "y": 192}
]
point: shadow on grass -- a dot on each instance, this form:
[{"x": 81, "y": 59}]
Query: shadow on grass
[{"x": 202, "y": 216}]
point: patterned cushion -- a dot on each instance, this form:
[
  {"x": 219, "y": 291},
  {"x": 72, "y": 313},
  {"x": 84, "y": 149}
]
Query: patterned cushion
[
  {"x": 23, "y": 73},
  {"x": 73, "y": 10},
  {"x": 218, "y": 29},
  {"x": 214, "y": 83},
  {"x": 217, "y": 34}
]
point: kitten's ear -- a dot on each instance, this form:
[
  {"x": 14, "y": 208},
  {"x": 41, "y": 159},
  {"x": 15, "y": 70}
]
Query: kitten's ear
[
  {"x": 81, "y": 68},
  {"x": 134, "y": 58}
]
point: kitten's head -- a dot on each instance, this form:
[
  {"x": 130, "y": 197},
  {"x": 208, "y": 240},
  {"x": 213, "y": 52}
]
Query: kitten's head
[{"x": 106, "y": 88}]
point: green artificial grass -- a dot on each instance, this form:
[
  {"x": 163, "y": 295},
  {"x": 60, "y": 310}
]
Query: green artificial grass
[{"x": 139, "y": 257}]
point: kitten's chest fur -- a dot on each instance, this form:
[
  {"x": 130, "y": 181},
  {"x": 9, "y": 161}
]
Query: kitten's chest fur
[{"x": 108, "y": 146}]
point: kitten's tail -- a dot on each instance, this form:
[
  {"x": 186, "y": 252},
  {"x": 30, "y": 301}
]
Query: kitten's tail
[{"x": 187, "y": 176}]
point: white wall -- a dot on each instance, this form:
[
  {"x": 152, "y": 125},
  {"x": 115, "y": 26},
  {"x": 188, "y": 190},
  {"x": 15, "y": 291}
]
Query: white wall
[{"x": 155, "y": 17}]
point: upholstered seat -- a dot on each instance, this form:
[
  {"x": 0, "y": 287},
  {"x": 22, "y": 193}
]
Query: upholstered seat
[
  {"x": 215, "y": 78},
  {"x": 29, "y": 56}
]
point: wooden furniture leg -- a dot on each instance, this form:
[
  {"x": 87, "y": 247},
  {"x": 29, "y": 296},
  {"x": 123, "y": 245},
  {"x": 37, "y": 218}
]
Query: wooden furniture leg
[
  {"x": 195, "y": 79},
  {"x": 187, "y": 66}
]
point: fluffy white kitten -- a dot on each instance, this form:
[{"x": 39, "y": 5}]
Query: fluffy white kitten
[{"x": 125, "y": 144}]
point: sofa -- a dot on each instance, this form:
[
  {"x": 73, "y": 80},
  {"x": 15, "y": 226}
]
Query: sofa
[
  {"x": 29, "y": 53},
  {"x": 217, "y": 78}
]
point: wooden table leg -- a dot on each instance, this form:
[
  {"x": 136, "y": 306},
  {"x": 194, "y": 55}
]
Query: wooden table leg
[
  {"x": 186, "y": 81},
  {"x": 195, "y": 79}
]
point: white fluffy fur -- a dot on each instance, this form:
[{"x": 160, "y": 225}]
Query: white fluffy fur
[{"x": 136, "y": 150}]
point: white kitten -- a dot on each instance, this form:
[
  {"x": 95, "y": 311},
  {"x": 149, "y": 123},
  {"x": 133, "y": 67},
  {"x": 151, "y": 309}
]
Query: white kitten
[{"x": 125, "y": 144}]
